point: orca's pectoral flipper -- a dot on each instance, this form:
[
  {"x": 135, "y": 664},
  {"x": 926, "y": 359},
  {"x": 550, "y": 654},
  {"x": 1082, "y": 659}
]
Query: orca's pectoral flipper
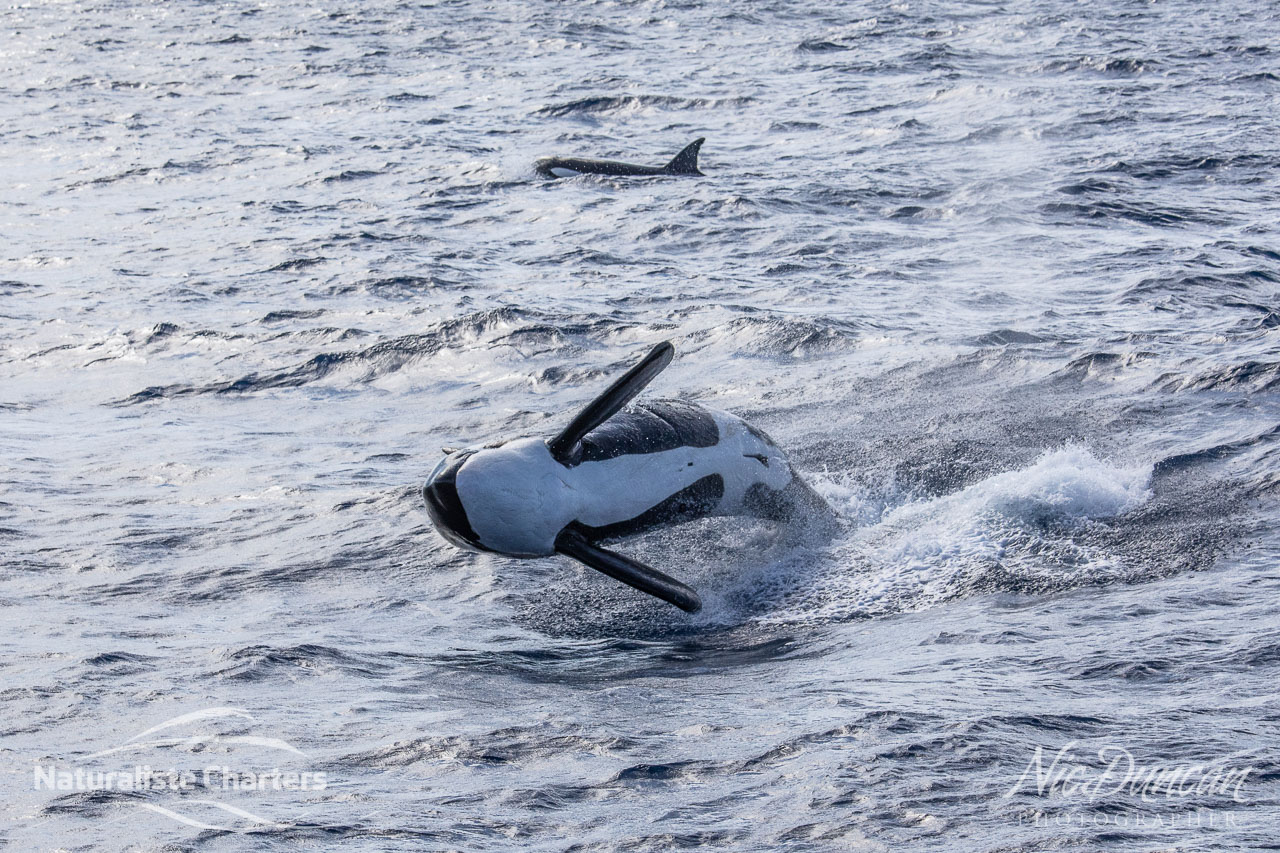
[
  {"x": 567, "y": 446},
  {"x": 572, "y": 543},
  {"x": 686, "y": 162}
]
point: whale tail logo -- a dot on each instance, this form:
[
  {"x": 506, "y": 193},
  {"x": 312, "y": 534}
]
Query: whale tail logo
[{"x": 686, "y": 162}]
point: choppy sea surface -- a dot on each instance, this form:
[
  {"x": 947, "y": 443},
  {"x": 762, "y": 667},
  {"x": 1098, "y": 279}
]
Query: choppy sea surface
[{"x": 1003, "y": 277}]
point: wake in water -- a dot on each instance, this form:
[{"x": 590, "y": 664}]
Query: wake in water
[{"x": 1018, "y": 531}]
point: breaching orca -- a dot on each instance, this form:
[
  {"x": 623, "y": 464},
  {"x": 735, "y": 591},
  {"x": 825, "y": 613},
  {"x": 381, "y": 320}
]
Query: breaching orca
[
  {"x": 684, "y": 163},
  {"x": 613, "y": 473}
]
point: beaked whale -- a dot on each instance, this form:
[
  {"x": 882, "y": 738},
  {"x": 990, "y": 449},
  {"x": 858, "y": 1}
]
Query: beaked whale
[
  {"x": 613, "y": 473},
  {"x": 684, "y": 163}
]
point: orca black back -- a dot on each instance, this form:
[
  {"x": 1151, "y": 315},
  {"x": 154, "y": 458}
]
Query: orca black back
[{"x": 684, "y": 163}]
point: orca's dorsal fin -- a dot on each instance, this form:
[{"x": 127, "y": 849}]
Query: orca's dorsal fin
[
  {"x": 567, "y": 446},
  {"x": 572, "y": 543},
  {"x": 686, "y": 162}
]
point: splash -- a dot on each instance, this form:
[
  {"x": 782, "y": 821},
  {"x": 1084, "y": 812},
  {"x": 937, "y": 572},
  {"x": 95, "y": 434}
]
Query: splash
[{"x": 1018, "y": 531}]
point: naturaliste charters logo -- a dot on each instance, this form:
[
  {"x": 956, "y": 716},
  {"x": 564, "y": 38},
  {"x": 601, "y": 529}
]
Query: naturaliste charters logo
[
  {"x": 104, "y": 774},
  {"x": 1118, "y": 773}
]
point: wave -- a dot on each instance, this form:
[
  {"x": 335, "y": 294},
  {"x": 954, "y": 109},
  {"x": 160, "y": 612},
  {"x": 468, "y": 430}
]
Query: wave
[
  {"x": 1189, "y": 165},
  {"x": 505, "y": 746},
  {"x": 298, "y": 264},
  {"x": 1250, "y": 376},
  {"x": 526, "y": 330},
  {"x": 1182, "y": 461},
  {"x": 822, "y": 46},
  {"x": 1009, "y": 337},
  {"x": 1116, "y": 65},
  {"x": 380, "y": 359},
  {"x": 619, "y": 103},
  {"x": 1103, "y": 212},
  {"x": 256, "y": 663},
  {"x": 771, "y": 335},
  {"x": 401, "y": 286},
  {"x": 1208, "y": 287},
  {"x": 1099, "y": 365},
  {"x": 350, "y": 175}
]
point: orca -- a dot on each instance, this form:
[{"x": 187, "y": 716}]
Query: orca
[
  {"x": 613, "y": 473},
  {"x": 684, "y": 163}
]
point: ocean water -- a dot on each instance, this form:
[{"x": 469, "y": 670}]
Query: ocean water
[{"x": 1003, "y": 278}]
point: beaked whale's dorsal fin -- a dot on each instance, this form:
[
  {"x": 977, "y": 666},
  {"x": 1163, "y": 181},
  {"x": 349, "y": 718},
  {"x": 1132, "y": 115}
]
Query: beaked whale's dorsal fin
[
  {"x": 686, "y": 162},
  {"x": 566, "y": 448}
]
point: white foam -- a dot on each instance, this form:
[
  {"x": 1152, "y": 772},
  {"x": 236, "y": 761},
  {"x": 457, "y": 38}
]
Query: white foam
[
  {"x": 1062, "y": 485},
  {"x": 933, "y": 549}
]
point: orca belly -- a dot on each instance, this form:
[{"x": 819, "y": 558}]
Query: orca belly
[{"x": 611, "y": 473}]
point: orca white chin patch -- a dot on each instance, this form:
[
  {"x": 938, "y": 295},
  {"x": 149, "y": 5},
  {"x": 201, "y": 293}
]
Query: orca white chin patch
[
  {"x": 515, "y": 498},
  {"x": 562, "y": 172}
]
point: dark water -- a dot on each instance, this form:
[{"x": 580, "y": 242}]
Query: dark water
[{"x": 1003, "y": 277}]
